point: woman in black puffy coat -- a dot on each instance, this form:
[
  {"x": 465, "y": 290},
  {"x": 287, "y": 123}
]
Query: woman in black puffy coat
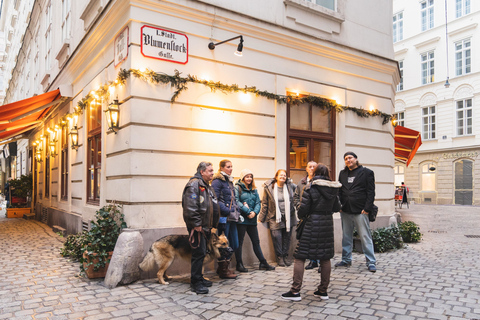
[{"x": 319, "y": 202}]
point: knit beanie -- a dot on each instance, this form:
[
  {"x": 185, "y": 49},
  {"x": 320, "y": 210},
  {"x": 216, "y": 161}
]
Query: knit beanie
[
  {"x": 244, "y": 172},
  {"x": 349, "y": 153}
]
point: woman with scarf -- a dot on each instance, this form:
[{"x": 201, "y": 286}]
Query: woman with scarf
[
  {"x": 229, "y": 214},
  {"x": 319, "y": 202},
  {"x": 278, "y": 211}
]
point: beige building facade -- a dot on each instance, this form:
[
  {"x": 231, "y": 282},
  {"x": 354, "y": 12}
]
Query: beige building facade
[
  {"x": 432, "y": 51},
  {"x": 336, "y": 50}
]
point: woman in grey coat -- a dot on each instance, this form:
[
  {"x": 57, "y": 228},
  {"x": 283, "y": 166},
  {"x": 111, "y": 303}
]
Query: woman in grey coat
[{"x": 278, "y": 210}]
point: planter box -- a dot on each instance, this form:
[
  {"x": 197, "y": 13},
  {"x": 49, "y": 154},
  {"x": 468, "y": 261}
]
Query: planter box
[
  {"x": 101, "y": 272},
  {"x": 17, "y": 212}
]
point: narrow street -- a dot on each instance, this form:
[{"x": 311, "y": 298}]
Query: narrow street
[{"x": 437, "y": 278}]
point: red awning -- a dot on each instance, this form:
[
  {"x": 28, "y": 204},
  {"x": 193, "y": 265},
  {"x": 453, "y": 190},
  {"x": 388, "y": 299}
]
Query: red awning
[
  {"x": 21, "y": 116},
  {"x": 407, "y": 142}
]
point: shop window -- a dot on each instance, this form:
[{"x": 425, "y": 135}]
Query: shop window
[
  {"x": 464, "y": 117},
  {"x": 94, "y": 152},
  {"x": 64, "y": 164},
  {"x": 311, "y": 136},
  {"x": 464, "y": 182},
  {"x": 399, "y": 172},
  {"x": 429, "y": 176}
]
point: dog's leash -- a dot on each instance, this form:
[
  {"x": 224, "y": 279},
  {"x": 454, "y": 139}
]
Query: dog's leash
[{"x": 191, "y": 239}]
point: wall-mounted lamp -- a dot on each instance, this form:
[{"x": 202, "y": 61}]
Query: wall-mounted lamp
[
  {"x": 74, "y": 137},
  {"x": 52, "y": 147},
  {"x": 212, "y": 45},
  {"x": 38, "y": 150},
  {"x": 432, "y": 168},
  {"x": 113, "y": 114}
]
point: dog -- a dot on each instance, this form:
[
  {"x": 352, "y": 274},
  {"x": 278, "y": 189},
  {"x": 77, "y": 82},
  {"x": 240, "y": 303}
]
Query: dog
[{"x": 164, "y": 251}]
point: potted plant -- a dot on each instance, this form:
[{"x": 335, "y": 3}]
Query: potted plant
[
  {"x": 99, "y": 242},
  {"x": 20, "y": 192}
]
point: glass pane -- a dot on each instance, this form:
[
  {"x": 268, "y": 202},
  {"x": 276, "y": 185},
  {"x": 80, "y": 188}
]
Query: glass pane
[
  {"x": 428, "y": 182},
  {"x": 99, "y": 151},
  {"x": 329, "y": 4},
  {"x": 322, "y": 153},
  {"x": 99, "y": 171},
  {"x": 321, "y": 120},
  {"x": 299, "y": 150},
  {"x": 300, "y": 117}
]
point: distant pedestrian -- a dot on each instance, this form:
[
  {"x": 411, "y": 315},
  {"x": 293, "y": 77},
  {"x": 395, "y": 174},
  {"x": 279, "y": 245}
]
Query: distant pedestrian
[
  {"x": 279, "y": 212},
  {"x": 316, "y": 242},
  {"x": 405, "y": 194},
  {"x": 356, "y": 196}
]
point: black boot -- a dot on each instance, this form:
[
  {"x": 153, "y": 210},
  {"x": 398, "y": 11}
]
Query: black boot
[
  {"x": 265, "y": 266},
  {"x": 312, "y": 264},
  {"x": 280, "y": 262},
  {"x": 240, "y": 267},
  {"x": 199, "y": 288}
]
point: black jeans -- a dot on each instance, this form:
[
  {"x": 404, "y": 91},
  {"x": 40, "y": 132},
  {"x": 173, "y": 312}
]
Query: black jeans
[
  {"x": 281, "y": 241},
  {"x": 253, "y": 234},
  {"x": 198, "y": 255}
]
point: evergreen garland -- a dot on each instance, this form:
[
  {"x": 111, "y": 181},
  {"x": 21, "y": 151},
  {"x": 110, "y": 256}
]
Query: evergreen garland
[{"x": 180, "y": 84}]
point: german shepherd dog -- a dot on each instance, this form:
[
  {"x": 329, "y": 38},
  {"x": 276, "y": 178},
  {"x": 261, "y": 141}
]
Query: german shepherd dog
[{"x": 164, "y": 251}]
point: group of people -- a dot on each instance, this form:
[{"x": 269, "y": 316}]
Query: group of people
[{"x": 215, "y": 200}]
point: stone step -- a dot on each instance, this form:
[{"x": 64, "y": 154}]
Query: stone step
[
  {"x": 29, "y": 216},
  {"x": 57, "y": 229}
]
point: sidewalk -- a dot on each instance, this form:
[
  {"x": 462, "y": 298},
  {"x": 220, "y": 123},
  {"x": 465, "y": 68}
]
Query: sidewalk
[{"x": 437, "y": 278}]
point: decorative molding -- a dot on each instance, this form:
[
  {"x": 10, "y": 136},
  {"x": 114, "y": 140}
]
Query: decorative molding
[
  {"x": 427, "y": 42},
  {"x": 63, "y": 54},
  {"x": 428, "y": 99},
  {"x": 400, "y": 52},
  {"x": 462, "y": 30},
  {"x": 91, "y": 12},
  {"x": 45, "y": 80},
  {"x": 464, "y": 91},
  {"x": 296, "y": 10}
]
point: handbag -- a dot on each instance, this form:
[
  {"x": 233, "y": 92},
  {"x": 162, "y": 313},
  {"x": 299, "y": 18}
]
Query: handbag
[
  {"x": 372, "y": 215},
  {"x": 300, "y": 226}
]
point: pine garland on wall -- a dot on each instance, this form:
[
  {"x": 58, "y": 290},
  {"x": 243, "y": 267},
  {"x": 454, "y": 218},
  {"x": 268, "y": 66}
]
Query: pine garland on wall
[{"x": 181, "y": 84}]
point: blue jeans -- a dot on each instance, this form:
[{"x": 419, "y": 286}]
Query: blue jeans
[
  {"x": 232, "y": 234},
  {"x": 361, "y": 222},
  {"x": 281, "y": 241}
]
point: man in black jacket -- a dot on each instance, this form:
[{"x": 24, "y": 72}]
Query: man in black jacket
[
  {"x": 201, "y": 214},
  {"x": 356, "y": 196}
]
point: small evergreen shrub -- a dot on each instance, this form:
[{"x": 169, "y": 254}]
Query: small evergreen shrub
[
  {"x": 410, "y": 231},
  {"x": 72, "y": 247},
  {"x": 385, "y": 239}
]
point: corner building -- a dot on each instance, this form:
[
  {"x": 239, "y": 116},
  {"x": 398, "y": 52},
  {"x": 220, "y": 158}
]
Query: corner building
[{"x": 337, "y": 50}]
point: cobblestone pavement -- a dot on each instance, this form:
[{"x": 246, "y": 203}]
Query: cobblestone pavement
[{"x": 437, "y": 278}]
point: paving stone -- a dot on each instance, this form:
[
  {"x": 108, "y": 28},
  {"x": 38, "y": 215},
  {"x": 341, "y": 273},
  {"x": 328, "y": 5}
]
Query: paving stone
[{"x": 413, "y": 283}]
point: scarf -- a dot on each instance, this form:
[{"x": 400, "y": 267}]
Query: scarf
[
  {"x": 230, "y": 178},
  {"x": 286, "y": 198}
]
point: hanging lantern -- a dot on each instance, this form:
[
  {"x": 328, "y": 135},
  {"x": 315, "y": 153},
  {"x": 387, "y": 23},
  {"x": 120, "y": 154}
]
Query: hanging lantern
[
  {"x": 74, "y": 137},
  {"x": 113, "y": 114}
]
